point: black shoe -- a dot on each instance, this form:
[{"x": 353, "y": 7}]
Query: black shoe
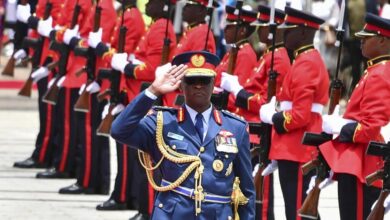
[
  {"x": 77, "y": 189},
  {"x": 28, "y": 163},
  {"x": 140, "y": 216},
  {"x": 110, "y": 205},
  {"x": 53, "y": 174}
]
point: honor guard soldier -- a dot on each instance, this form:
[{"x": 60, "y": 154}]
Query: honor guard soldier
[
  {"x": 200, "y": 151},
  {"x": 366, "y": 113},
  {"x": 237, "y": 32},
  {"x": 252, "y": 93},
  {"x": 302, "y": 97},
  {"x": 93, "y": 158},
  {"x": 42, "y": 155},
  {"x": 194, "y": 37}
]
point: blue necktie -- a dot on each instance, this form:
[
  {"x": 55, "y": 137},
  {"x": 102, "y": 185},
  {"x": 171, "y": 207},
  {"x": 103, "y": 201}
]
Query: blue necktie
[{"x": 199, "y": 125}]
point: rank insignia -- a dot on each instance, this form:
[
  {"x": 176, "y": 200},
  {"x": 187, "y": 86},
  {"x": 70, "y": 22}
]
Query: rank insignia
[
  {"x": 218, "y": 165},
  {"x": 225, "y": 133}
]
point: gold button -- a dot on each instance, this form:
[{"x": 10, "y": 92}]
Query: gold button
[
  {"x": 174, "y": 147},
  {"x": 230, "y": 218},
  {"x": 160, "y": 205},
  {"x": 218, "y": 165},
  {"x": 226, "y": 156},
  {"x": 201, "y": 149}
]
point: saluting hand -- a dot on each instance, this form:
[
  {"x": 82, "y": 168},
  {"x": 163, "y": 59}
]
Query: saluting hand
[{"x": 168, "y": 81}]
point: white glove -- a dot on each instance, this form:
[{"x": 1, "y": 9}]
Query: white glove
[
  {"x": 119, "y": 61},
  {"x": 267, "y": 111},
  {"x": 118, "y": 109},
  {"x": 58, "y": 27},
  {"x": 333, "y": 123},
  {"x": 94, "y": 38},
  {"x": 70, "y": 33},
  {"x": 255, "y": 169},
  {"x": 162, "y": 69},
  {"x": 51, "y": 82},
  {"x": 93, "y": 87},
  {"x": 20, "y": 54},
  {"x": 40, "y": 73},
  {"x": 81, "y": 90},
  {"x": 105, "y": 110},
  {"x": 230, "y": 83},
  {"x": 326, "y": 182},
  {"x": 134, "y": 60},
  {"x": 45, "y": 27},
  {"x": 271, "y": 167},
  {"x": 386, "y": 204},
  {"x": 61, "y": 81},
  {"x": 23, "y": 12}
]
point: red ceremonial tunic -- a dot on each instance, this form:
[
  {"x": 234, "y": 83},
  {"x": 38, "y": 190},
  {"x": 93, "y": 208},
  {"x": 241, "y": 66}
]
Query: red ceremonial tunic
[
  {"x": 369, "y": 106},
  {"x": 305, "y": 85}
]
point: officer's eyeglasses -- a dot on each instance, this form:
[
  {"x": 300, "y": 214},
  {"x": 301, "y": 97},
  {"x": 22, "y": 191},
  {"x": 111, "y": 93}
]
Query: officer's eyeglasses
[{"x": 197, "y": 80}]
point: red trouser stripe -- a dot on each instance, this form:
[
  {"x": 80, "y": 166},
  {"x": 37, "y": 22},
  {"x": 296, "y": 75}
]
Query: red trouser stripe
[
  {"x": 124, "y": 174},
  {"x": 266, "y": 189},
  {"x": 359, "y": 200},
  {"x": 65, "y": 144},
  {"x": 88, "y": 147},
  {"x": 299, "y": 190},
  {"x": 46, "y": 138},
  {"x": 151, "y": 198}
]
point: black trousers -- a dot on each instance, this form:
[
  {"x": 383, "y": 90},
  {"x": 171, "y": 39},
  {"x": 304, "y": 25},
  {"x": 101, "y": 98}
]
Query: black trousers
[
  {"x": 294, "y": 186},
  {"x": 355, "y": 198},
  {"x": 44, "y": 144},
  {"x": 265, "y": 210},
  {"x": 93, "y": 153},
  {"x": 66, "y": 130}
]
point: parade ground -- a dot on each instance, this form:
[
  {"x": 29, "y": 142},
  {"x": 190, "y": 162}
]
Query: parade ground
[{"x": 22, "y": 196}]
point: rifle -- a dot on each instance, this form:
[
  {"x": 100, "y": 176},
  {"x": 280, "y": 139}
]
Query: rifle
[
  {"x": 37, "y": 44},
  {"x": 20, "y": 32},
  {"x": 51, "y": 95},
  {"x": 383, "y": 150},
  {"x": 221, "y": 99},
  {"x": 167, "y": 41},
  {"x": 265, "y": 140},
  {"x": 83, "y": 104},
  {"x": 115, "y": 77},
  {"x": 310, "y": 205}
]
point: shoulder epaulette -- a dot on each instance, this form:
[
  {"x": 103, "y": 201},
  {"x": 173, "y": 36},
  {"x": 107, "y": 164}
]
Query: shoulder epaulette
[
  {"x": 233, "y": 115},
  {"x": 165, "y": 108}
]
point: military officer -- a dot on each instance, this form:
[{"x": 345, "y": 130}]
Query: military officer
[
  {"x": 302, "y": 97},
  {"x": 366, "y": 112},
  {"x": 200, "y": 151}
]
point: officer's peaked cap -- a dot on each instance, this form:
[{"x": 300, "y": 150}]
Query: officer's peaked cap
[
  {"x": 374, "y": 26},
  {"x": 264, "y": 16},
  {"x": 246, "y": 16},
  {"x": 200, "y": 63},
  {"x": 296, "y": 18}
]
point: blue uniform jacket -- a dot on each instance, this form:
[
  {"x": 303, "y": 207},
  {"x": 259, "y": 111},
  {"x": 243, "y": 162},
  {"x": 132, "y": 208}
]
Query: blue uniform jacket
[{"x": 137, "y": 129}]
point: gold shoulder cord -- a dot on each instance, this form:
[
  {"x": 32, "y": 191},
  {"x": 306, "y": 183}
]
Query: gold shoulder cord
[{"x": 175, "y": 157}]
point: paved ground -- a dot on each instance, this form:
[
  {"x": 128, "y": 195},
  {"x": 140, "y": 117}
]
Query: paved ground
[{"x": 24, "y": 197}]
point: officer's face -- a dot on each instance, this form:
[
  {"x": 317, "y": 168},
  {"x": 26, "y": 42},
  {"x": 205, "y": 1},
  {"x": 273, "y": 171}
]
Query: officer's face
[{"x": 197, "y": 91}]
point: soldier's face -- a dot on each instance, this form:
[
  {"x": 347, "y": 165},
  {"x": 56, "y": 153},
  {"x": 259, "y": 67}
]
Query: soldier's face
[
  {"x": 262, "y": 32},
  {"x": 374, "y": 46},
  {"x": 154, "y": 8},
  {"x": 292, "y": 38},
  {"x": 229, "y": 32},
  {"x": 197, "y": 91}
]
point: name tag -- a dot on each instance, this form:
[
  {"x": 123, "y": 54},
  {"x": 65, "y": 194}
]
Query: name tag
[
  {"x": 175, "y": 136},
  {"x": 226, "y": 144}
]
